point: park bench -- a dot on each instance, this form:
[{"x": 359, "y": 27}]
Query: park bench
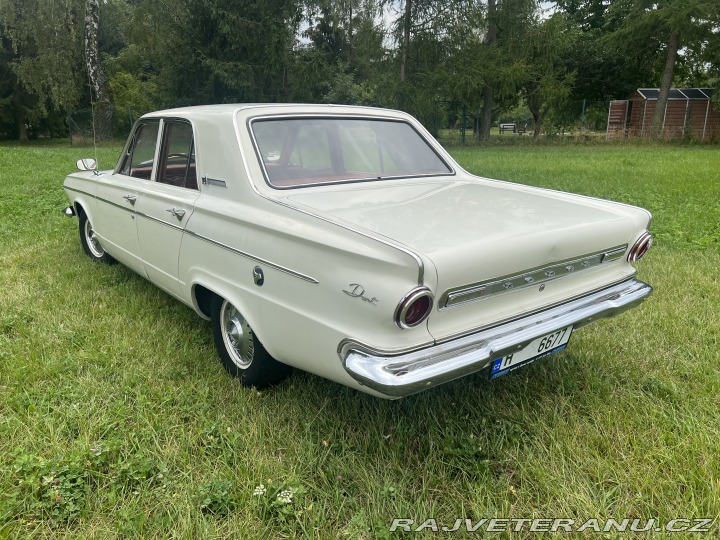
[{"x": 513, "y": 127}]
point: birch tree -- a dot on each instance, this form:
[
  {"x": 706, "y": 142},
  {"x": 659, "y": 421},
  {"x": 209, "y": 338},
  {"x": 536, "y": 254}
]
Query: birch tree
[{"x": 102, "y": 117}]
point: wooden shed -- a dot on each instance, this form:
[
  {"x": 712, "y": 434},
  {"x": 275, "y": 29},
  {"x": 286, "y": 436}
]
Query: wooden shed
[{"x": 689, "y": 113}]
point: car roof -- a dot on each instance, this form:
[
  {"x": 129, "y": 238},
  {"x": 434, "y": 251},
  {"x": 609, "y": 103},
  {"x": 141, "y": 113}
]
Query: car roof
[{"x": 230, "y": 108}]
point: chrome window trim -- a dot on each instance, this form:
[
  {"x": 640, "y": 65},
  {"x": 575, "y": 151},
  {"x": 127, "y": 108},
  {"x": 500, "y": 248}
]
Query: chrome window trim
[
  {"x": 129, "y": 141},
  {"x": 193, "y": 147},
  {"x": 466, "y": 294},
  {"x": 158, "y": 146},
  {"x": 285, "y": 116},
  {"x": 362, "y": 232}
]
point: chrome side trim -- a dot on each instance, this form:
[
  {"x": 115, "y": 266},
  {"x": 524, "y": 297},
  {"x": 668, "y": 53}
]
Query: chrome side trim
[
  {"x": 80, "y": 191},
  {"x": 177, "y": 227},
  {"x": 613, "y": 255},
  {"x": 213, "y": 182},
  {"x": 484, "y": 289},
  {"x": 254, "y": 258},
  {"x": 201, "y": 237},
  {"x": 116, "y": 205},
  {"x": 362, "y": 232},
  {"x": 398, "y": 375}
]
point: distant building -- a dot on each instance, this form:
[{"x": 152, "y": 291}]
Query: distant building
[{"x": 689, "y": 114}]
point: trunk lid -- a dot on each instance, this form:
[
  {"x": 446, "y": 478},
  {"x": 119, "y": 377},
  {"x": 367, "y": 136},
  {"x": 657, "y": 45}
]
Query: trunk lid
[{"x": 477, "y": 232}]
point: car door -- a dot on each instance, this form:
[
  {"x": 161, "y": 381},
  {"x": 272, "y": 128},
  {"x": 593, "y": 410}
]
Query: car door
[
  {"x": 118, "y": 194},
  {"x": 165, "y": 205}
]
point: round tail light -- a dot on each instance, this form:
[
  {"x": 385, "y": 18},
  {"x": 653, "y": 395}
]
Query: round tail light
[
  {"x": 414, "y": 308},
  {"x": 640, "y": 248}
]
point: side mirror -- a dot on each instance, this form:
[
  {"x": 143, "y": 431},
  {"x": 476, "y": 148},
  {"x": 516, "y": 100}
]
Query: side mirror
[{"x": 87, "y": 164}]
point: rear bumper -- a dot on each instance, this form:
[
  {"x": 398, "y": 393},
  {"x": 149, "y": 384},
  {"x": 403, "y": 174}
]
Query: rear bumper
[{"x": 400, "y": 375}]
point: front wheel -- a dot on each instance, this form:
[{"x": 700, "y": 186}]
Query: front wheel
[
  {"x": 241, "y": 352},
  {"x": 91, "y": 243}
]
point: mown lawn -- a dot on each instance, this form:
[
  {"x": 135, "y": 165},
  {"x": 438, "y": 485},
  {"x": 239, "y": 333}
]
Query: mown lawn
[{"x": 118, "y": 421}]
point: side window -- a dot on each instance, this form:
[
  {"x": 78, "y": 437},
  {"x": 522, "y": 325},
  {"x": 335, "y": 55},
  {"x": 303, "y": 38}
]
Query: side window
[
  {"x": 177, "y": 156},
  {"x": 138, "y": 161}
]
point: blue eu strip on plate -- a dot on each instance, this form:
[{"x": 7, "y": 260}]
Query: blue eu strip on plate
[{"x": 535, "y": 350}]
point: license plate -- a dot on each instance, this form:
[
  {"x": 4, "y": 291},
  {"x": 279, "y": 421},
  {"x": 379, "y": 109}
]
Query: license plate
[{"x": 535, "y": 350}]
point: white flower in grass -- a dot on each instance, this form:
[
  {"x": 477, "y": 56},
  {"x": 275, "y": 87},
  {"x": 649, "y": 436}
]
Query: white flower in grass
[
  {"x": 286, "y": 496},
  {"x": 260, "y": 490}
]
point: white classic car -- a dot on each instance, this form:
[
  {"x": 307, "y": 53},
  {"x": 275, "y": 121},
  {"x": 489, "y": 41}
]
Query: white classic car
[{"x": 346, "y": 242}]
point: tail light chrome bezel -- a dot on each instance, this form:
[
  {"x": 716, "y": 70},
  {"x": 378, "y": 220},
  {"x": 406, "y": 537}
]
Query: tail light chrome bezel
[
  {"x": 640, "y": 247},
  {"x": 407, "y": 302}
]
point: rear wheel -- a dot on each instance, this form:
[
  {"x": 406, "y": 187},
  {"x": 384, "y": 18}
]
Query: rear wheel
[
  {"x": 90, "y": 241},
  {"x": 241, "y": 352}
]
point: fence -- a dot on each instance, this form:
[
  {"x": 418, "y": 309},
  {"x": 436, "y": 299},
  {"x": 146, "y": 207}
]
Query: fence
[
  {"x": 455, "y": 123},
  {"x": 80, "y": 124}
]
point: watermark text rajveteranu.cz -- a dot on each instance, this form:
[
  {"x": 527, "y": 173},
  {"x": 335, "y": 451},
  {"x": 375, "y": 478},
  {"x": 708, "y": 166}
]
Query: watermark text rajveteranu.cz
[{"x": 686, "y": 525}]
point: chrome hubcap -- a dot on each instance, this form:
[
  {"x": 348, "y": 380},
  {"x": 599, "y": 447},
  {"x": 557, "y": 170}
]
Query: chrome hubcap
[
  {"x": 237, "y": 335},
  {"x": 92, "y": 240}
]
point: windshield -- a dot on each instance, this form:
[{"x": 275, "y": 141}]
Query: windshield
[{"x": 310, "y": 151}]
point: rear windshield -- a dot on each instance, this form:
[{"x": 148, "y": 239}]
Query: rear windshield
[{"x": 310, "y": 151}]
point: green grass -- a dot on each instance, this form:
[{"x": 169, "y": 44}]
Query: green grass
[{"x": 117, "y": 420}]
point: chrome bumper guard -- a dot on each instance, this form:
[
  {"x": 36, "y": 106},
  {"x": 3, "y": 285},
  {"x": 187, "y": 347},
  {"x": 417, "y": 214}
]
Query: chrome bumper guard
[{"x": 405, "y": 374}]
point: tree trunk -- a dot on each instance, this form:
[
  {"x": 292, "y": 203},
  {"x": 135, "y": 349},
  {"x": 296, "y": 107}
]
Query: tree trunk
[
  {"x": 486, "y": 118},
  {"x": 537, "y": 113},
  {"x": 21, "y": 126},
  {"x": 656, "y": 127},
  {"x": 20, "y": 117},
  {"x": 407, "y": 22},
  {"x": 102, "y": 118},
  {"x": 538, "y": 118}
]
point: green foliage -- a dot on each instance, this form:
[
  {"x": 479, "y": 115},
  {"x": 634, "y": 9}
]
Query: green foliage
[
  {"x": 176, "y": 52},
  {"x": 132, "y": 93},
  {"x": 280, "y": 499},
  {"x": 215, "y": 498},
  {"x": 45, "y": 38},
  {"x": 55, "y": 489}
]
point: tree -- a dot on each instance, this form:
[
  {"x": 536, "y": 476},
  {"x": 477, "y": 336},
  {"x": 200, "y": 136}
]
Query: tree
[
  {"x": 15, "y": 103},
  {"x": 102, "y": 119},
  {"x": 424, "y": 32},
  {"x": 46, "y": 57},
  {"x": 549, "y": 83},
  {"x": 488, "y": 61},
  {"x": 605, "y": 69},
  {"x": 670, "y": 25},
  {"x": 490, "y": 40}
]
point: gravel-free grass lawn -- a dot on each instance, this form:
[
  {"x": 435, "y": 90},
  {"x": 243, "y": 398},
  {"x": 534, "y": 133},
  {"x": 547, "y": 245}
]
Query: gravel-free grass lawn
[{"x": 118, "y": 421}]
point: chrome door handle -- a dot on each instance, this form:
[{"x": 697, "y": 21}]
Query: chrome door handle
[
  {"x": 131, "y": 199},
  {"x": 177, "y": 212}
]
